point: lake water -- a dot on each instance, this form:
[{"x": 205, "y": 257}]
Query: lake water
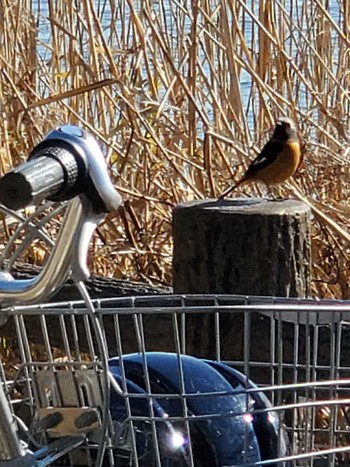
[{"x": 301, "y": 10}]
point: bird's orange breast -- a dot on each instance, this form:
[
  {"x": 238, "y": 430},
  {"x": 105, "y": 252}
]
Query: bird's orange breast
[{"x": 283, "y": 167}]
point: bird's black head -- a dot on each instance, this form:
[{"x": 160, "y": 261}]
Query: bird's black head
[{"x": 285, "y": 129}]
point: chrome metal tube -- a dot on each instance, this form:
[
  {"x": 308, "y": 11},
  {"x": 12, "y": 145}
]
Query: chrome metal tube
[
  {"x": 71, "y": 247},
  {"x": 12, "y": 452},
  {"x": 10, "y": 447}
]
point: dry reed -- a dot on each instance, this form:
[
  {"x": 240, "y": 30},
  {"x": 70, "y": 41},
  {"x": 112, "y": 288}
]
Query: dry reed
[{"x": 183, "y": 94}]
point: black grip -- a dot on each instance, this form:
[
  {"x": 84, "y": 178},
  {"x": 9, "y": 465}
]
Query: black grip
[{"x": 49, "y": 174}]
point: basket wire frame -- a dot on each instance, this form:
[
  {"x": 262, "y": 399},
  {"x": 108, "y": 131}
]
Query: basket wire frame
[{"x": 303, "y": 368}]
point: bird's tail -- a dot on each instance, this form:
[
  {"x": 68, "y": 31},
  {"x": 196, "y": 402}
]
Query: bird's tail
[{"x": 229, "y": 190}]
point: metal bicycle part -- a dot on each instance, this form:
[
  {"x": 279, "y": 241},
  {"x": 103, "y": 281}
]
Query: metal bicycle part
[
  {"x": 93, "y": 195},
  {"x": 68, "y": 258},
  {"x": 96, "y": 196}
]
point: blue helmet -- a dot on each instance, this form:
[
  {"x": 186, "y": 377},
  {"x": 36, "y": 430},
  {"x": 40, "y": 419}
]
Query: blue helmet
[
  {"x": 201, "y": 409},
  {"x": 272, "y": 437}
]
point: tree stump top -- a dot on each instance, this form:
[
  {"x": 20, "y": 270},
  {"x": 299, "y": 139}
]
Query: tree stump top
[{"x": 258, "y": 206}]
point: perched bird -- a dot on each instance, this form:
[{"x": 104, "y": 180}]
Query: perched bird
[{"x": 279, "y": 159}]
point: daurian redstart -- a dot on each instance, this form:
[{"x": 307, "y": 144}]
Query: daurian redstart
[{"x": 278, "y": 160}]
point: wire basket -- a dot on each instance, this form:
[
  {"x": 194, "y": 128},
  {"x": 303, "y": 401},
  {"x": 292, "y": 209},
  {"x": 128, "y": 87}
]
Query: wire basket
[{"x": 295, "y": 351}]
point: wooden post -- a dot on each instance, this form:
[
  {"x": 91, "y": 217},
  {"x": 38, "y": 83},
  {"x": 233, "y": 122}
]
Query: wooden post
[{"x": 242, "y": 246}]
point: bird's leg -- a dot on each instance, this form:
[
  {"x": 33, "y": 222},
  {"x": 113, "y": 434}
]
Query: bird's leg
[
  {"x": 269, "y": 194},
  {"x": 272, "y": 191},
  {"x": 280, "y": 196}
]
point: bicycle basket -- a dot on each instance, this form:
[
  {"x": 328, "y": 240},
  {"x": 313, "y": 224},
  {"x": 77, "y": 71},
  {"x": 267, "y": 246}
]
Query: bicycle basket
[{"x": 295, "y": 352}]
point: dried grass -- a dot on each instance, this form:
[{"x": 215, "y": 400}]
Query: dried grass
[{"x": 183, "y": 95}]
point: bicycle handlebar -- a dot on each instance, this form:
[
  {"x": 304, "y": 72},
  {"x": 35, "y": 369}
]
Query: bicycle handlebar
[
  {"x": 44, "y": 177},
  {"x": 67, "y": 164}
]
